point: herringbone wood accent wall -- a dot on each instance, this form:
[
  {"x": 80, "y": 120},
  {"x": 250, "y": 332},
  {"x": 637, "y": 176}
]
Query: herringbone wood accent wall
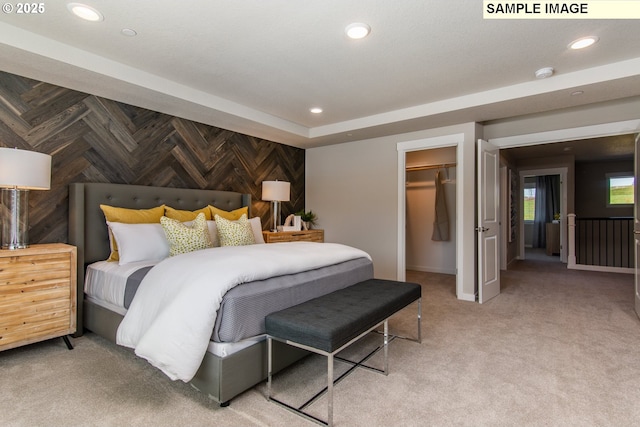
[{"x": 94, "y": 139}]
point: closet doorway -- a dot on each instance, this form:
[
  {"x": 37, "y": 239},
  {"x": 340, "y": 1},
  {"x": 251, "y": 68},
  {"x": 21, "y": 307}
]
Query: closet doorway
[
  {"x": 431, "y": 232},
  {"x": 464, "y": 213}
]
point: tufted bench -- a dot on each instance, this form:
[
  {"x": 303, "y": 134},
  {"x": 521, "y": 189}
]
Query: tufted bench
[{"x": 328, "y": 324}]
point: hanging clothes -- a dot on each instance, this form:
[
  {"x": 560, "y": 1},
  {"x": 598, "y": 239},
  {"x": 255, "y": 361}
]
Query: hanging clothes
[{"x": 441, "y": 223}]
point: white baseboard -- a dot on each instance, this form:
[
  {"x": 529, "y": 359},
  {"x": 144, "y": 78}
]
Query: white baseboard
[
  {"x": 512, "y": 261},
  {"x": 467, "y": 297},
  {"x": 429, "y": 269},
  {"x": 604, "y": 269}
]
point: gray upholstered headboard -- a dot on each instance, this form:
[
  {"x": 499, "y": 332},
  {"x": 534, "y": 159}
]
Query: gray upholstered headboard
[{"x": 88, "y": 229}]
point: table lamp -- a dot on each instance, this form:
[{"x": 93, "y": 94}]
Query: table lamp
[
  {"x": 275, "y": 192},
  {"x": 20, "y": 171}
]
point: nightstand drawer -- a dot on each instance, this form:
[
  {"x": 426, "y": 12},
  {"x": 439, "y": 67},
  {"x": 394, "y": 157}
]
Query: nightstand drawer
[
  {"x": 37, "y": 294},
  {"x": 294, "y": 236}
]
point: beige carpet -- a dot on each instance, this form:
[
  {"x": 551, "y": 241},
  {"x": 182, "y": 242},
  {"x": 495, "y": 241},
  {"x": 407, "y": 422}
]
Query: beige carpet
[{"x": 555, "y": 348}]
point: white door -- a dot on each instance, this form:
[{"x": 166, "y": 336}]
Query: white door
[
  {"x": 636, "y": 224},
  {"x": 488, "y": 221}
]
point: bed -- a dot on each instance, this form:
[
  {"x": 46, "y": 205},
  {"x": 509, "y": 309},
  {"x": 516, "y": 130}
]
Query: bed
[{"x": 224, "y": 374}]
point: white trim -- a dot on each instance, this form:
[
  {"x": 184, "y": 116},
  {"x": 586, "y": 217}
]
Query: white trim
[
  {"x": 433, "y": 142},
  {"x": 571, "y": 256},
  {"x": 584, "y": 132},
  {"x": 504, "y": 216},
  {"x": 636, "y": 224},
  {"x": 603, "y": 268},
  {"x": 428, "y": 269},
  {"x": 453, "y": 140}
]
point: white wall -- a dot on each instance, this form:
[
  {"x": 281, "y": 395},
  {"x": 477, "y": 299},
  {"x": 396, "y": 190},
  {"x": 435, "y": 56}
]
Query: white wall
[
  {"x": 353, "y": 187},
  {"x": 528, "y": 234}
]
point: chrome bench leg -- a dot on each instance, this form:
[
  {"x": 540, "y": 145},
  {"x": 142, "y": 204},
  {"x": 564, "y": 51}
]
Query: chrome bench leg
[
  {"x": 420, "y": 320},
  {"x": 269, "y": 367},
  {"x": 330, "y": 390},
  {"x": 386, "y": 346}
]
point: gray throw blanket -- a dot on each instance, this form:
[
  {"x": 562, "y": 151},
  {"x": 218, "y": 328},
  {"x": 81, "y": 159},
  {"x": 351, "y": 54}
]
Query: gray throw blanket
[{"x": 441, "y": 223}]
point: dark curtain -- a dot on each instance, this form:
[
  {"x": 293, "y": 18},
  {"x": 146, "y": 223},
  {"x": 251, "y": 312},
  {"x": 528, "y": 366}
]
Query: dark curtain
[{"x": 547, "y": 205}]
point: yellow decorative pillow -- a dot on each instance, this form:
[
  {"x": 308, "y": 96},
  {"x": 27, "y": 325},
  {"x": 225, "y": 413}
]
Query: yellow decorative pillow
[
  {"x": 234, "y": 233},
  {"x": 232, "y": 215},
  {"x": 129, "y": 216},
  {"x": 182, "y": 215},
  {"x": 185, "y": 238}
]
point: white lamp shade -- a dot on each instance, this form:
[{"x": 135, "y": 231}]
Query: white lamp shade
[
  {"x": 23, "y": 169},
  {"x": 276, "y": 191}
]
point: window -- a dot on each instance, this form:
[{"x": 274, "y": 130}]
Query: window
[
  {"x": 529, "y": 202},
  {"x": 620, "y": 189}
]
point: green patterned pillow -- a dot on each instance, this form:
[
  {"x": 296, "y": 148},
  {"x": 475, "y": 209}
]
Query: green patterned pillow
[
  {"x": 234, "y": 233},
  {"x": 186, "y": 238}
]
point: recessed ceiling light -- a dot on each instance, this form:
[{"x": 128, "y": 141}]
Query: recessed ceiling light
[
  {"x": 128, "y": 32},
  {"x": 85, "y": 12},
  {"x": 577, "y": 93},
  {"x": 316, "y": 110},
  {"x": 583, "y": 42},
  {"x": 357, "y": 30},
  {"x": 545, "y": 72}
]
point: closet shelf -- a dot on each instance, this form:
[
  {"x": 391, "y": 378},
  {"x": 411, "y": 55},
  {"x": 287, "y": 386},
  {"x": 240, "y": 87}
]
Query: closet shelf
[{"x": 427, "y": 167}]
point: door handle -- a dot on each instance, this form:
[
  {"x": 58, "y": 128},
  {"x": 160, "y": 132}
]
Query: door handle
[{"x": 482, "y": 229}]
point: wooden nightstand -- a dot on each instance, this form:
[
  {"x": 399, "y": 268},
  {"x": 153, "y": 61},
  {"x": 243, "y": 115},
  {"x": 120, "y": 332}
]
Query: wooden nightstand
[
  {"x": 37, "y": 294},
  {"x": 294, "y": 236}
]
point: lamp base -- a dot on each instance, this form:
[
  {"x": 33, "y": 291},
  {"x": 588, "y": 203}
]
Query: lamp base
[
  {"x": 275, "y": 215},
  {"x": 15, "y": 218}
]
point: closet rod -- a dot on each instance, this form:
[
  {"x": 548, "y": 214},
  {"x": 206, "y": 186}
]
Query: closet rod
[{"x": 427, "y": 167}]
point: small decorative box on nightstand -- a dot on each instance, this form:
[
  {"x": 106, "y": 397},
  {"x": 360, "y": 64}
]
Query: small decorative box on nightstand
[
  {"x": 294, "y": 236},
  {"x": 37, "y": 294}
]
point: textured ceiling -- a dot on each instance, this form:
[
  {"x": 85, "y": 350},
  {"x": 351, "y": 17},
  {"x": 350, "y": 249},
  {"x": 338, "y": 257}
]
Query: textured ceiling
[
  {"x": 618, "y": 147},
  {"x": 256, "y": 66}
]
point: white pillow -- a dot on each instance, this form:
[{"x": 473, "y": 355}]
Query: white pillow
[
  {"x": 139, "y": 242},
  {"x": 256, "y": 226}
]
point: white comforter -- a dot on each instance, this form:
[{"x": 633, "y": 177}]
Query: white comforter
[{"x": 171, "y": 318}]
